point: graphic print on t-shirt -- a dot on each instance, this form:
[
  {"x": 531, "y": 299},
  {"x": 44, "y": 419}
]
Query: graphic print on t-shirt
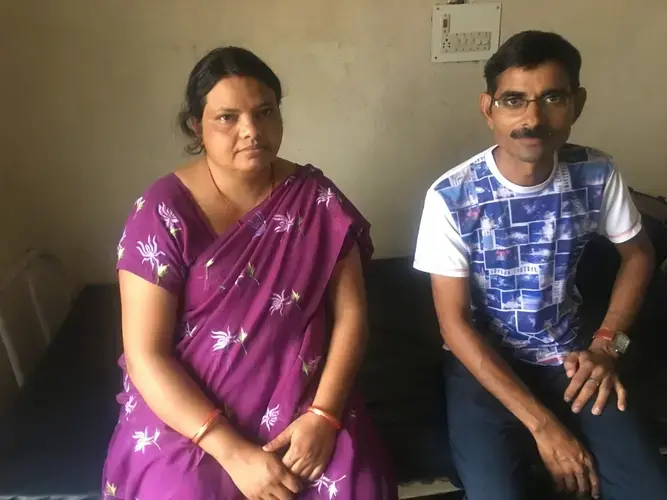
[{"x": 523, "y": 249}]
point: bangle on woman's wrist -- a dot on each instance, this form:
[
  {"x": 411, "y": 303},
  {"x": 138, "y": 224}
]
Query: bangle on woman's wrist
[
  {"x": 333, "y": 421},
  {"x": 210, "y": 420}
]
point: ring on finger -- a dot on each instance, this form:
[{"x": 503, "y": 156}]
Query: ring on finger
[{"x": 595, "y": 381}]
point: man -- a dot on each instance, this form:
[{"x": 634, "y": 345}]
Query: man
[{"x": 501, "y": 235}]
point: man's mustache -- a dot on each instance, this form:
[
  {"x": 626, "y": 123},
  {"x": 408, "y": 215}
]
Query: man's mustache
[{"x": 539, "y": 132}]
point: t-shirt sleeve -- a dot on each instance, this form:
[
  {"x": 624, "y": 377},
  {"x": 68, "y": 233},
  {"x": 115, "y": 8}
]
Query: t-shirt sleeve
[
  {"x": 151, "y": 244},
  {"x": 440, "y": 249},
  {"x": 620, "y": 220}
]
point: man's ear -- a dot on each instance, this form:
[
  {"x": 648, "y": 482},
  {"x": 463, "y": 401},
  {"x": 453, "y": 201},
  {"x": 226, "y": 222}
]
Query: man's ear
[
  {"x": 486, "y": 108},
  {"x": 579, "y": 102}
]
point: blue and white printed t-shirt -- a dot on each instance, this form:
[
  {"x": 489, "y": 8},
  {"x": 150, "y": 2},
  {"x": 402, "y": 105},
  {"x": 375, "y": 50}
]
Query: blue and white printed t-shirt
[{"x": 520, "y": 245}]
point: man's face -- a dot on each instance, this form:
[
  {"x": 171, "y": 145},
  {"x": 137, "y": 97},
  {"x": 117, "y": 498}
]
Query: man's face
[{"x": 532, "y": 111}]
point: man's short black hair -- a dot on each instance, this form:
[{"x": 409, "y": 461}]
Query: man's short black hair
[{"x": 530, "y": 49}]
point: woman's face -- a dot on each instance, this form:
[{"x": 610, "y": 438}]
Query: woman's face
[{"x": 241, "y": 125}]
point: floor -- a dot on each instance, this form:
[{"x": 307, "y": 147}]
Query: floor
[{"x": 458, "y": 495}]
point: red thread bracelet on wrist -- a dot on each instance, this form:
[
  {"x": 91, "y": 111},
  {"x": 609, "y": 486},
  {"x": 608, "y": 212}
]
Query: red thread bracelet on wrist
[
  {"x": 335, "y": 423},
  {"x": 604, "y": 333}
]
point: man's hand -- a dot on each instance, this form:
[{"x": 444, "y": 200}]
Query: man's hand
[
  {"x": 593, "y": 371},
  {"x": 311, "y": 440},
  {"x": 568, "y": 462}
]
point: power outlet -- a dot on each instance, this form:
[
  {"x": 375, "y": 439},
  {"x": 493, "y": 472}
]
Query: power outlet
[
  {"x": 446, "y": 19},
  {"x": 472, "y": 41},
  {"x": 465, "y": 32}
]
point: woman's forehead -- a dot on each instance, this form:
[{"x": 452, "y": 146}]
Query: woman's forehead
[{"x": 239, "y": 92}]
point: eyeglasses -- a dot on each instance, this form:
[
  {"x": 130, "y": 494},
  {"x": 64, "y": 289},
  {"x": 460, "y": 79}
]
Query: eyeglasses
[{"x": 517, "y": 105}]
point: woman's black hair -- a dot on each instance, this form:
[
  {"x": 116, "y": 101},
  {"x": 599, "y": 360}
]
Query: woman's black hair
[{"x": 219, "y": 63}]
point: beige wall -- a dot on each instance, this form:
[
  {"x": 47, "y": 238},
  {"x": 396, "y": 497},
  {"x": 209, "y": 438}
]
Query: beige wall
[
  {"x": 11, "y": 242},
  {"x": 94, "y": 87},
  {"x": 13, "y": 236},
  {"x": 13, "y": 239}
]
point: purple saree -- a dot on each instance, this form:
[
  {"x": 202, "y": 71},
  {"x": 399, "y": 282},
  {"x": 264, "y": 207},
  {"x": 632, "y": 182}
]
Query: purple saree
[{"x": 252, "y": 333}]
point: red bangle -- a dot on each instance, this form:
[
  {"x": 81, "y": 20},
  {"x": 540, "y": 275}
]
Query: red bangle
[
  {"x": 335, "y": 423},
  {"x": 604, "y": 333},
  {"x": 207, "y": 424}
]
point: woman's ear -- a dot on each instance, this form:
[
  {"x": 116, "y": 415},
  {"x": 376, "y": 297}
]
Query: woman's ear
[
  {"x": 198, "y": 140},
  {"x": 196, "y": 127}
]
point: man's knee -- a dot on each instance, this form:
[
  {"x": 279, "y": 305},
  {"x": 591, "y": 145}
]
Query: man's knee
[
  {"x": 627, "y": 455},
  {"x": 491, "y": 456},
  {"x": 485, "y": 479}
]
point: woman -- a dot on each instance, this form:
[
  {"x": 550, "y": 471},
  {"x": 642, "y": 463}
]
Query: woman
[{"x": 234, "y": 386}]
